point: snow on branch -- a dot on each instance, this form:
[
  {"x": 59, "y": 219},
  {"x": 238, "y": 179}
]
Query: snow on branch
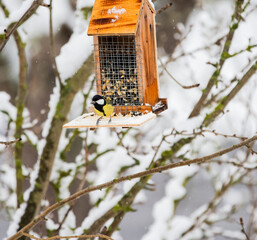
[{"x": 126, "y": 178}]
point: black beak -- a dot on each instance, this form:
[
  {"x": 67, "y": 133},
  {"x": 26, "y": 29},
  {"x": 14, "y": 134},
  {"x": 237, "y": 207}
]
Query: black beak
[{"x": 93, "y": 102}]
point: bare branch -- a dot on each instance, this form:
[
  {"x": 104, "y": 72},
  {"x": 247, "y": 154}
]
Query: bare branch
[
  {"x": 68, "y": 92},
  {"x": 243, "y": 228},
  {"x": 13, "y": 27},
  {"x": 10, "y": 142},
  {"x": 203, "y": 217},
  {"x": 174, "y": 79},
  {"x": 52, "y": 45},
  {"x": 67, "y": 237},
  {"x": 213, "y": 203},
  {"x": 81, "y": 185},
  {"x": 20, "y": 104},
  {"x": 224, "y": 102},
  {"x": 240, "y": 165},
  {"x": 45, "y": 5},
  {"x": 164, "y": 8},
  {"x": 201, "y": 132},
  {"x": 252, "y": 225},
  {"x": 125, "y": 178},
  {"x": 224, "y": 56}
]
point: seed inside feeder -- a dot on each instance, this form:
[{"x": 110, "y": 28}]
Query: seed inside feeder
[{"x": 120, "y": 75}]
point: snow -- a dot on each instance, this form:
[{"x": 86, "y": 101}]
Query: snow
[
  {"x": 9, "y": 176},
  {"x": 61, "y": 9},
  {"x": 209, "y": 24},
  {"x": 12, "y": 229},
  {"x": 54, "y": 98},
  {"x": 82, "y": 3},
  {"x": 74, "y": 53},
  {"x": 6, "y": 105},
  {"x": 116, "y": 10},
  {"x": 107, "y": 172},
  {"x": 150, "y": 1},
  {"x": 157, "y": 106},
  {"x": 2, "y": 30},
  {"x": 30, "y": 30},
  {"x": 179, "y": 225},
  {"x": 32, "y": 137},
  {"x": 235, "y": 197},
  {"x": 77, "y": 104},
  {"x": 67, "y": 230},
  {"x": 97, "y": 212},
  {"x": 51, "y": 225},
  {"x": 115, "y": 19},
  {"x": 164, "y": 209},
  {"x": 89, "y": 120},
  {"x": 16, "y": 12}
]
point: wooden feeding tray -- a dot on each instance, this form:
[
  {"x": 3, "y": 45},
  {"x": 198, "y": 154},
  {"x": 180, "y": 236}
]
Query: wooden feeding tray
[{"x": 88, "y": 120}]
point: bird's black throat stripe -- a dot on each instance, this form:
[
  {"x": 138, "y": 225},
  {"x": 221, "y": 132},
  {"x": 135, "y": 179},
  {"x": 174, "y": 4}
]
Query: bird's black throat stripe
[{"x": 100, "y": 108}]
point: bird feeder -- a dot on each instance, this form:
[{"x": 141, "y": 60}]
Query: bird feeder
[{"x": 125, "y": 62}]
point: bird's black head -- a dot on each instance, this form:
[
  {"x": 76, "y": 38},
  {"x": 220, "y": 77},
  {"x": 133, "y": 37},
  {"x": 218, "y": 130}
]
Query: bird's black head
[{"x": 98, "y": 100}]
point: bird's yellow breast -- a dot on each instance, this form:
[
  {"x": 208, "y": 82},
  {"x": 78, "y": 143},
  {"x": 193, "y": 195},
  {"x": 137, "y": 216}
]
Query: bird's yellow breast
[
  {"x": 108, "y": 110},
  {"x": 98, "y": 112}
]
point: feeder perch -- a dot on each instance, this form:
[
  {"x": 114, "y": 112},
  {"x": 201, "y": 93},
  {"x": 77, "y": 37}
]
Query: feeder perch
[{"x": 125, "y": 63}]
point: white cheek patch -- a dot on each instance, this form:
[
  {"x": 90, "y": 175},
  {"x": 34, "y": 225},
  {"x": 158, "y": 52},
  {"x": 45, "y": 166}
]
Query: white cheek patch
[{"x": 100, "y": 101}]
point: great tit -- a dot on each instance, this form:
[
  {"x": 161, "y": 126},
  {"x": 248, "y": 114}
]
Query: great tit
[{"x": 102, "y": 108}]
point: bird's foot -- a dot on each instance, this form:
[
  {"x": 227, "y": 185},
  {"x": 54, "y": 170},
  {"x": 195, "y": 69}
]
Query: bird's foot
[
  {"x": 110, "y": 119},
  {"x": 98, "y": 120}
]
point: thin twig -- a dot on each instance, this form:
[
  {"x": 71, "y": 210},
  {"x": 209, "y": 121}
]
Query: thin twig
[
  {"x": 251, "y": 149},
  {"x": 164, "y": 8},
  {"x": 81, "y": 185},
  {"x": 45, "y": 5},
  {"x": 201, "y": 132},
  {"x": 225, "y": 100},
  {"x": 171, "y": 58},
  {"x": 240, "y": 165},
  {"x": 67, "y": 237},
  {"x": 52, "y": 44},
  {"x": 243, "y": 228},
  {"x": 121, "y": 141},
  {"x": 25, "y": 16},
  {"x": 215, "y": 97},
  {"x": 75, "y": 133},
  {"x": 235, "y": 20},
  {"x": 10, "y": 142},
  {"x": 214, "y": 202},
  {"x": 191, "y": 53},
  {"x": 126, "y": 204},
  {"x": 48, "y": 155},
  {"x": 20, "y": 105},
  {"x": 157, "y": 150},
  {"x": 252, "y": 225},
  {"x": 125, "y": 178},
  {"x": 174, "y": 79}
]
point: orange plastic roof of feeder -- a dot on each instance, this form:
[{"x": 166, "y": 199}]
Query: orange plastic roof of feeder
[{"x": 116, "y": 17}]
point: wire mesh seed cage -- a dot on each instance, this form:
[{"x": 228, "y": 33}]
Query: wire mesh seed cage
[
  {"x": 125, "y": 62},
  {"x": 118, "y": 68}
]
